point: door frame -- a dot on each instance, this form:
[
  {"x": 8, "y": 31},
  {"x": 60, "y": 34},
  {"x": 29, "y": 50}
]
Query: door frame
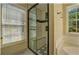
[{"x": 28, "y": 28}]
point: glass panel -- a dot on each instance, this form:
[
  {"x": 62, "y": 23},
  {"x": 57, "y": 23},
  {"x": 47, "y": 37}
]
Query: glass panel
[
  {"x": 72, "y": 20},
  {"x": 77, "y": 13},
  {"x": 12, "y": 34},
  {"x": 77, "y": 19},
  {"x": 74, "y": 26},
  {"x": 77, "y": 25},
  {"x": 42, "y": 32},
  {"x": 38, "y": 29},
  {"x": 12, "y": 30},
  {"x": 32, "y": 29},
  {"x": 72, "y": 10}
]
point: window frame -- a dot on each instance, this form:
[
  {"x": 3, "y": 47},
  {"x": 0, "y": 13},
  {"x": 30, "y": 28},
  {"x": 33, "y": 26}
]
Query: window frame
[
  {"x": 18, "y": 7},
  {"x": 67, "y": 19}
]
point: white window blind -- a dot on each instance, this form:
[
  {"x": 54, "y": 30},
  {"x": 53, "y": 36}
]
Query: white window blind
[{"x": 12, "y": 23}]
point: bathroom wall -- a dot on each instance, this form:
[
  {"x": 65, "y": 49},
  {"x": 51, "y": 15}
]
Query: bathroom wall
[
  {"x": 70, "y": 38},
  {"x": 58, "y": 27},
  {"x": 20, "y": 46},
  {"x": 64, "y": 17},
  {"x": 63, "y": 39},
  {"x": 58, "y": 36}
]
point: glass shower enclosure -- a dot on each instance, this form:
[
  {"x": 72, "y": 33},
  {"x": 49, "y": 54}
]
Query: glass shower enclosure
[{"x": 38, "y": 26}]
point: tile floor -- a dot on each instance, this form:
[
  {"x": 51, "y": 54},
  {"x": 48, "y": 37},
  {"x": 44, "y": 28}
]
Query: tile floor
[{"x": 27, "y": 52}]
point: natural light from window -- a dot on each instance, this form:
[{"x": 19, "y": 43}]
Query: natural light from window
[{"x": 12, "y": 23}]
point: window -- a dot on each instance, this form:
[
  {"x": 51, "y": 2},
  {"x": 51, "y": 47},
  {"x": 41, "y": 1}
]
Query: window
[
  {"x": 12, "y": 23},
  {"x": 73, "y": 19}
]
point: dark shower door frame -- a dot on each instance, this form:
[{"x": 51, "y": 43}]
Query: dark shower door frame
[{"x": 48, "y": 28}]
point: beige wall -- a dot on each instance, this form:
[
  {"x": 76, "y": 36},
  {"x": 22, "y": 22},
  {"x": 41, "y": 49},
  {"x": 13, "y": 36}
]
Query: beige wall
[
  {"x": 64, "y": 16},
  {"x": 20, "y": 46},
  {"x": 58, "y": 27},
  {"x": 51, "y": 29}
]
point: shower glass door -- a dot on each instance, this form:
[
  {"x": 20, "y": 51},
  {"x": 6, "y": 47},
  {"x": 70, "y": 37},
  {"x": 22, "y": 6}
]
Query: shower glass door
[
  {"x": 42, "y": 29},
  {"x": 38, "y": 29},
  {"x": 32, "y": 29}
]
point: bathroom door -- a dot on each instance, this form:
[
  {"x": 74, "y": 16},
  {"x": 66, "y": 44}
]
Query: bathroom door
[{"x": 38, "y": 29}]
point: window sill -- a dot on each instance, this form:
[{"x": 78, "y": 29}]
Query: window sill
[
  {"x": 72, "y": 34},
  {"x": 12, "y": 43}
]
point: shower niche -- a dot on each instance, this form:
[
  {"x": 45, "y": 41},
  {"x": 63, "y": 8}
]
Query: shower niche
[{"x": 38, "y": 29}]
